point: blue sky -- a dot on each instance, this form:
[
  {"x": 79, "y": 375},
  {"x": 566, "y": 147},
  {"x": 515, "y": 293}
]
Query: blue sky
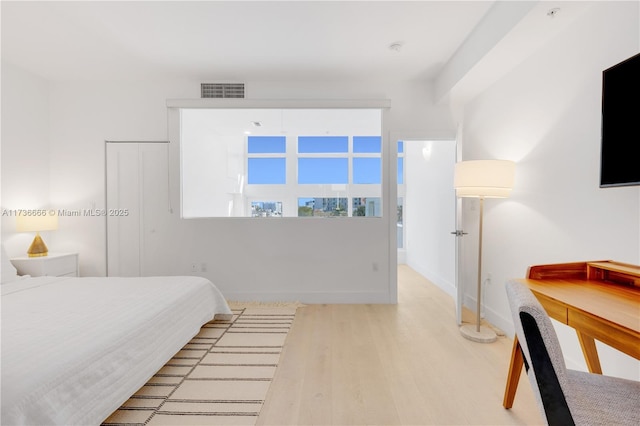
[{"x": 318, "y": 169}]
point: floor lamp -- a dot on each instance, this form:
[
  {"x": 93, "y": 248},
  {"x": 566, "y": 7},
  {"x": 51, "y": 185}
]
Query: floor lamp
[{"x": 482, "y": 179}]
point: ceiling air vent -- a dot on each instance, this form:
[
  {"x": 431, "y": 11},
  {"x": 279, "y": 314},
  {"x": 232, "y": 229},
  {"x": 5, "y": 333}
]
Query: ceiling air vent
[{"x": 222, "y": 90}]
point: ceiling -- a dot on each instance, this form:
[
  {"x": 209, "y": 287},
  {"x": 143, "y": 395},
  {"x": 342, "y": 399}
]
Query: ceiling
[{"x": 237, "y": 41}]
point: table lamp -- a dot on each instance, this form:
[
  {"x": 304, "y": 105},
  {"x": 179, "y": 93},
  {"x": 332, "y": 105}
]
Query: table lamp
[
  {"x": 482, "y": 179},
  {"x": 46, "y": 222}
]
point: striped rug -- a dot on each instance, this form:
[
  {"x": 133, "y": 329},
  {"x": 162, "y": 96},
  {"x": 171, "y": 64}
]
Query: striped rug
[{"x": 221, "y": 377}]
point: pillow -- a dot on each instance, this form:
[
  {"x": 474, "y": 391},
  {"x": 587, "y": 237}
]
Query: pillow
[{"x": 9, "y": 272}]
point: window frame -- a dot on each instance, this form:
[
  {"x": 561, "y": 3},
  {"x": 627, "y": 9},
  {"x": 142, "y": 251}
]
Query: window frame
[{"x": 291, "y": 191}]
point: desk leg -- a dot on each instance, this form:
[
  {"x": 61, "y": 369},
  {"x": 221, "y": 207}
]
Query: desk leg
[
  {"x": 590, "y": 352},
  {"x": 515, "y": 367}
]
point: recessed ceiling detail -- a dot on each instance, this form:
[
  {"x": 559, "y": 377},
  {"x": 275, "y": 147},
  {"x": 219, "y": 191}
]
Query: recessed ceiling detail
[
  {"x": 551, "y": 13},
  {"x": 396, "y": 46}
]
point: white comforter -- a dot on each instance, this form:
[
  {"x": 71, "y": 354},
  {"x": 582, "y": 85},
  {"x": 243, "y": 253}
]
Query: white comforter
[{"x": 74, "y": 349}]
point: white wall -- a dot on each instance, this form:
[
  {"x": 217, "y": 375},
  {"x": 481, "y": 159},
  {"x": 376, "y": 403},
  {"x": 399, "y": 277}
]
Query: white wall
[
  {"x": 545, "y": 115},
  {"x": 313, "y": 260},
  {"x": 430, "y": 210},
  {"x": 25, "y": 153}
]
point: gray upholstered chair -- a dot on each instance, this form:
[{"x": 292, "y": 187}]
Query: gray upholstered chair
[{"x": 566, "y": 397}]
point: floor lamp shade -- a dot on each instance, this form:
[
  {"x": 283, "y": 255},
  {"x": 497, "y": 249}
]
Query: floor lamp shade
[
  {"x": 482, "y": 179},
  {"x": 46, "y": 222}
]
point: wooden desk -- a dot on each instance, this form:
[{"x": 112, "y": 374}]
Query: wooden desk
[{"x": 600, "y": 300}]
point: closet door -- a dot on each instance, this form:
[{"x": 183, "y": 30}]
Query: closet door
[
  {"x": 156, "y": 251},
  {"x": 137, "y": 208},
  {"x": 123, "y": 232}
]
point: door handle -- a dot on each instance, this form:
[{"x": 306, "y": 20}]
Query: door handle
[{"x": 458, "y": 233}]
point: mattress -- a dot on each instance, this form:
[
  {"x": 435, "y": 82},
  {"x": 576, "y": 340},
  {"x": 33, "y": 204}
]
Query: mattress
[{"x": 74, "y": 349}]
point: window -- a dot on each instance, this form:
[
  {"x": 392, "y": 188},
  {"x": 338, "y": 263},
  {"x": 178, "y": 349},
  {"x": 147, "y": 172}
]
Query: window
[
  {"x": 264, "y": 171},
  {"x": 326, "y": 144},
  {"x": 367, "y": 164},
  {"x": 367, "y": 144},
  {"x": 367, "y": 170},
  {"x": 322, "y": 207},
  {"x": 315, "y": 167},
  {"x": 266, "y": 163},
  {"x": 400, "y": 163},
  {"x": 323, "y": 170},
  {"x": 266, "y": 144},
  {"x": 401, "y": 195},
  {"x": 281, "y": 162},
  {"x": 345, "y": 166},
  {"x": 400, "y": 222},
  {"x": 366, "y": 207},
  {"x": 266, "y": 209}
]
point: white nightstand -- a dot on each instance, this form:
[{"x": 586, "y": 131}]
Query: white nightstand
[{"x": 55, "y": 265}]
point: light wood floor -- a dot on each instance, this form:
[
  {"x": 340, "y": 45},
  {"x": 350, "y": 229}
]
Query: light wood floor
[{"x": 403, "y": 364}]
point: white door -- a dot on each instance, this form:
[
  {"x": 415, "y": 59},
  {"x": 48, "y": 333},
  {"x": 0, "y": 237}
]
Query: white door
[
  {"x": 459, "y": 233},
  {"x": 123, "y": 232},
  {"x": 138, "y": 208},
  {"x": 429, "y": 210}
]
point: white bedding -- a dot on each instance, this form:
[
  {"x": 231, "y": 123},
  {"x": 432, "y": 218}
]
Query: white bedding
[{"x": 75, "y": 349}]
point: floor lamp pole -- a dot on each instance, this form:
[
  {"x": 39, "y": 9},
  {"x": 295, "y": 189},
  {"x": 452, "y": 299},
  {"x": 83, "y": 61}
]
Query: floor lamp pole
[
  {"x": 479, "y": 304},
  {"x": 479, "y": 333}
]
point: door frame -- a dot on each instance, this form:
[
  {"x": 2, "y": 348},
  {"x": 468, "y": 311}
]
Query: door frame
[{"x": 429, "y": 136}]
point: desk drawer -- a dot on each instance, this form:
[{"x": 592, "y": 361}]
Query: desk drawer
[
  {"x": 619, "y": 338},
  {"x": 555, "y": 309}
]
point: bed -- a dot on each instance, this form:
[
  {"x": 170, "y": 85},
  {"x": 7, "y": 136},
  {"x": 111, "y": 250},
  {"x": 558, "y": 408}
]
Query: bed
[{"x": 74, "y": 349}]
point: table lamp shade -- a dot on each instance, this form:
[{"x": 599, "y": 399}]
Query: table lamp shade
[
  {"x": 47, "y": 222},
  {"x": 484, "y": 178}
]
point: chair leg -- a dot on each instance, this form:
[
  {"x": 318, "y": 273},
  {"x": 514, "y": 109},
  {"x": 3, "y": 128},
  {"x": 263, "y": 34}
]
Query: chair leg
[{"x": 515, "y": 367}]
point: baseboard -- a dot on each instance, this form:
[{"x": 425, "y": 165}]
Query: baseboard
[{"x": 435, "y": 279}]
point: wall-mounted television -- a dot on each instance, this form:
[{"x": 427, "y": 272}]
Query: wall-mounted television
[{"x": 620, "y": 138}]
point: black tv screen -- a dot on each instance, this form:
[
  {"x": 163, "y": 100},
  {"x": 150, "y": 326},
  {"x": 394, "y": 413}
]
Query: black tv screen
[{"x": 620, "y": 139}]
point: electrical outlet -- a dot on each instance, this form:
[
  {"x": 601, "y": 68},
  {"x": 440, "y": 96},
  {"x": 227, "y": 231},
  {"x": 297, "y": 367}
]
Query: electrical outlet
[
  {"x": 194, "y": 267},
  {"x": 203, "y": 267},
  {"x": 374, "y": 266}
]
